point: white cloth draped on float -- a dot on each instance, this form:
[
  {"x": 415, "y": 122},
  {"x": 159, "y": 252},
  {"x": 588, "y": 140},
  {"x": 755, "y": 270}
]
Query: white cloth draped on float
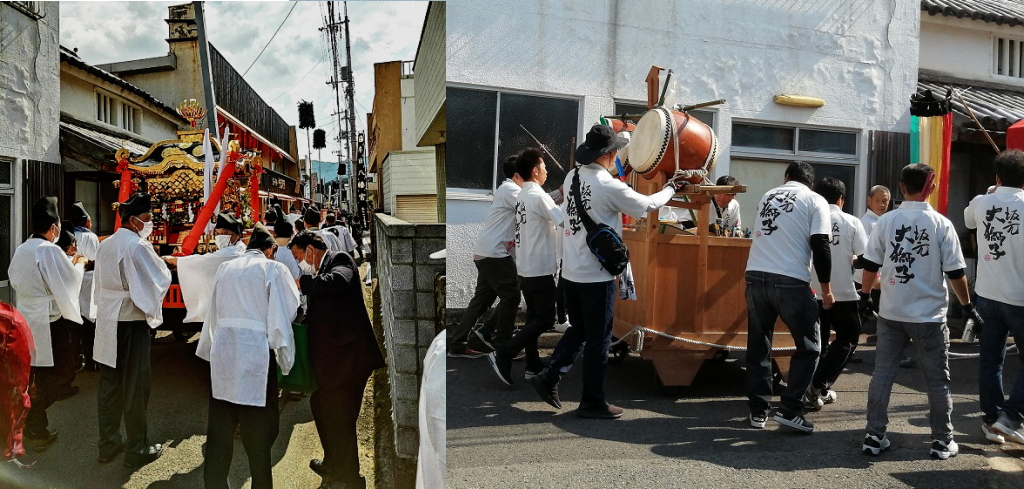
[
  {"x": 430, "y": 467},
  {"x": 46, "y": 287},
  {"x": 195, "y": 276},
  {"x": 131, "y": 282},
  {"x": 251, "y": 311},
  {"x": 88, "y": 245}
]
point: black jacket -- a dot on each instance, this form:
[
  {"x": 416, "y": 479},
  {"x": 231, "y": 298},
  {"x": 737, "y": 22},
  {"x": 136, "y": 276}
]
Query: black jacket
[{"x": 342, "y": 345}]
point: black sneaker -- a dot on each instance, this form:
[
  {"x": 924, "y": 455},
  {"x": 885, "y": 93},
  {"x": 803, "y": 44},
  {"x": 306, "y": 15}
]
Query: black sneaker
[
  {"x": 41, "y": 441},
  {"x": 483, "y": 339},
  {"x": 601, "y": 412},
  {"x": 758, "y": 420},
  {"x": 795, "y": 421},
  {"x": 149, "y": 454},
  {"x": 854, "y": 358},
  {"x": 942, "y": 450},
  {"x": 502, "y": 366},
  {"x": 874, "y": 445},
  {"x": 548, "y": 392},
  {"x": 465, "y": 353}
]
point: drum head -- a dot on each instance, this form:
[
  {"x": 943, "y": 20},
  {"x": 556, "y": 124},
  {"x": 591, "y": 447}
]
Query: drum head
[{"x": 649, "y": 141}]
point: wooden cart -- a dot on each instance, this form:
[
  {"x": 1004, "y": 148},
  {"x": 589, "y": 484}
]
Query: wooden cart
[{"x": 690, "y": 287}]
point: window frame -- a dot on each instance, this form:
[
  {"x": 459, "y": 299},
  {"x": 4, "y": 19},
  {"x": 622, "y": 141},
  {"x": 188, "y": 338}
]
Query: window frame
[
  {"x": 751, "y": 152},
  {"x": 31, "y": 9},
  {"x": 117, "y": 109},
  {"x": 472, "y": 194},
  {"x": 995, "y": 58}
]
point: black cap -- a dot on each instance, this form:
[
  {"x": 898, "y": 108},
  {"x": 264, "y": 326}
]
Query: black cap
[
  {"x": 227, "y": 221},
  {"x": 271, "y": 215},
  {"x": 44, "y": 213},
  {"x": 135, "y": 205},
  {"x": 260, "y": 238},
  {"x": 601, "y": 140},
  {"x": 78, "y": 214},
  {"x": 67, "y": 235}
]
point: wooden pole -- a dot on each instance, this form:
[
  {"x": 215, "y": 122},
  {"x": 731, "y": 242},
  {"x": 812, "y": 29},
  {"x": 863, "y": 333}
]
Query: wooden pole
[{"x": 976, "y": 121}]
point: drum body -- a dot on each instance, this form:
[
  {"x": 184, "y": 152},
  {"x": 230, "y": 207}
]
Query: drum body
[{"x": 652, "y": 147}]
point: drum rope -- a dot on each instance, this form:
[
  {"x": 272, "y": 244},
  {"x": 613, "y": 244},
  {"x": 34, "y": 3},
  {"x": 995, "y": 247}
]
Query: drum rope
[{"x": 638, "y": 330}]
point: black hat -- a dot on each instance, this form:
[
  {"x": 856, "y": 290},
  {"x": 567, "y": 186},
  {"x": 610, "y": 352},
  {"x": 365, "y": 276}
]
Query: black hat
[
  {"x": 67, "y": 235},
  {"x": 271, "y": 215},
  {"x": 601, "y": 140},
  {"x": 227, "y": 221},
  {"x": 135, "y": 205},
  {"x": 44, "y": 213},
  {"x": 78, "y": 214},
  {"x": 260, "y": 238}
]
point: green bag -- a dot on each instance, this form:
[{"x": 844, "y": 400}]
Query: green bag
[{"x": 301, "y": 378}]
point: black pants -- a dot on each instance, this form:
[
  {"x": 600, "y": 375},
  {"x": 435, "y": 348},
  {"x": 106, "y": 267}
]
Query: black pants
[
  {"x": 258, "y": 426},
  {"x": 87, "y": 336},
  {"x": 496, "y": 279},
  {"x": 124, "y": 391},
  {"x": 50, "y": 382},
  {"x": 335, "y": 412},
  {"x": 769, "y": 297},
  {"x": 844, "y": 319},
  {"x": 539, "y": 293},
  {"x": 560, "y": 315}
]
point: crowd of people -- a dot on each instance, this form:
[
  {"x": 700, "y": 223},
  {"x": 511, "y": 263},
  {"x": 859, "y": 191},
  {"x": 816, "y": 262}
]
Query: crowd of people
[
  {"x": 246, "y": 294},
  {"x": 812, "y": 265}
]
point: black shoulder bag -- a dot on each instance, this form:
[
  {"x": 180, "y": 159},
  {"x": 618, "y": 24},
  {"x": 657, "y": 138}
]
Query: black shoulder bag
[{"x": 602, "y": 240}]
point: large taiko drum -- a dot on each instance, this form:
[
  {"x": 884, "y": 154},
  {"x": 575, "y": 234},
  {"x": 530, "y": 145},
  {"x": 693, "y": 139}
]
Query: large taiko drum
[{"x": 652, "y": 147}]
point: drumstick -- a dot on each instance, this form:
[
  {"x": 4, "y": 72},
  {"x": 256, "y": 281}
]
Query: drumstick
[{"x": 542, "y": 147}]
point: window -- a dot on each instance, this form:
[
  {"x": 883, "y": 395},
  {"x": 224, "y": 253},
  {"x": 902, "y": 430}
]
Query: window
[
  {"x": 760, "y": 153},
  {"x": 6, "y": 173},
  {"x": 129, "y": 118},
  {"x": 485, "y": 129},
  {"x": 1007, "y": 57},
  {"x": 104, "y": 108},
  {"x": 31, "y": 9}
]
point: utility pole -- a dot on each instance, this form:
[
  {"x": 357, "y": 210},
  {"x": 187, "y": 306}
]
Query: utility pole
[
  {"x": 362, "y": 206},
  {"x": 331, "y": 25}
]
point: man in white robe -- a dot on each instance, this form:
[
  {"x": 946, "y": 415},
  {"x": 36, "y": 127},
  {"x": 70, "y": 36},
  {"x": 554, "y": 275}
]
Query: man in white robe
[
  {"x": 251, "y": 311},
  {"x": 46, "y": 285},
  {"x": 88, "y": 244},
  {"x": 312, "y": 220},
  {"x": 131, "y": 282},
  {"x": 196, "y": 272},
  {"x": 348, "y": 243}
]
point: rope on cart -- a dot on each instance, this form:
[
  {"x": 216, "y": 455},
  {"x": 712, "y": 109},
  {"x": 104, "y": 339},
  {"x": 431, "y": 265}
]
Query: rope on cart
[{"x": 639, "y": 330}]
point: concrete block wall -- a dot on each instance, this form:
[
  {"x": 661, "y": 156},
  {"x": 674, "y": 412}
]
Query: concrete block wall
[{"x": 406, "y": 280}]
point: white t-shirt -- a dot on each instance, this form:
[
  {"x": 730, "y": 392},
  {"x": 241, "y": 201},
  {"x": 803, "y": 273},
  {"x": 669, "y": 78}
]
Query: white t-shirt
[
  {"x": 848, "y": 239},
  {"x": 605, "y": 198},
  {"x": 787, "y": 216},
  {"x": 869, "y": 219},
  {"x": 537, "y": 221},
  {"x": 496, "y": 238},
  {"x": 730, "y": 214},
  {"x": 997, "y": 217},
  {"x": 915, "y": 245}
]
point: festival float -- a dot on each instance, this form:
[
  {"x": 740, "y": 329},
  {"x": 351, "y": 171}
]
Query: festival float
[
  {"x": 183, "y": 203},
  {"x": 689, "y": 281}
]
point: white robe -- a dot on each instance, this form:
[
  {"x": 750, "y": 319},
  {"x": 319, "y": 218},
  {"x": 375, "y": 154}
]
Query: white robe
[
  {"x": 431, "y": 463},
  {"x": 348, "y": 243},
  {"x": 88, "y": 245},
  {"x": 333, "y": 242},
  {"x": 46, "y": 286},
  {"x": 284, "y": 255},
  {"x": 195, "y": 276},
  {"x": 251, "y": 312},
  {"x": 131, "y": 282}
]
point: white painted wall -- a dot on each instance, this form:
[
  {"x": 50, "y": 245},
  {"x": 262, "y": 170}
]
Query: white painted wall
[
  {"x": 962, "y": 48},
  {"x": 409, "y": 139},
  {"x": 860, "y": 57},
  {"x": 78, "y": 99}
]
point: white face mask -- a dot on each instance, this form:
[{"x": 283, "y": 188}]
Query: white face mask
[
  {"x": 306, "y": 266},
  {"x": 56, "y": 236},
  {"x": 147, "y": 228},
  {"x": 223, "y": 241}
]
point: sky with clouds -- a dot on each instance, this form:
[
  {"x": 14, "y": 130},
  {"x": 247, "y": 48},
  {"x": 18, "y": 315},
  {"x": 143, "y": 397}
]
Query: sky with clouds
[{"x": 106, "y": 32}]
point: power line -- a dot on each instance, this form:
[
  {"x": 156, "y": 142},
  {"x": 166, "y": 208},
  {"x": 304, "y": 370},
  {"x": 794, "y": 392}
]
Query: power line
[
  {"x": 271, "y": 39},
  {"x": 303, "y": 77}
]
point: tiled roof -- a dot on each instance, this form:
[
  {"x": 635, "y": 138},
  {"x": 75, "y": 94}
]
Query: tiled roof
[
  {"x": 1009, "y": 12},
  {"x": 68, "y": 56},
  {"x": 996, "y": 108}
]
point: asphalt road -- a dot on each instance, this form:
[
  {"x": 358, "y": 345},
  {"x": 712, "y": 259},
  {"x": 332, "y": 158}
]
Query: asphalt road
[
  {"x": 177, "y": 417},
  {"x": 501, "y": 436}
]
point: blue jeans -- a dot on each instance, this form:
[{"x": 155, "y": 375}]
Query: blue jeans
[
  {"x": 592, "y": 307},
  {"x": 770, "y": 296},
  {"x": 1001, "y": 320}
]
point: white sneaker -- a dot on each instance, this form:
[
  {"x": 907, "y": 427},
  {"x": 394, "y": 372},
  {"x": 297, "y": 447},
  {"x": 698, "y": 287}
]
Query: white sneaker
[
  {"x": 562, "y": 327},
  {"x": 829, "y": 396},
  {"x": 943, "y": 450},
  {"x": 992, "y": 435},
  {"x": 1004, "y": 426},
  {"x": 874, "y": 446}
]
